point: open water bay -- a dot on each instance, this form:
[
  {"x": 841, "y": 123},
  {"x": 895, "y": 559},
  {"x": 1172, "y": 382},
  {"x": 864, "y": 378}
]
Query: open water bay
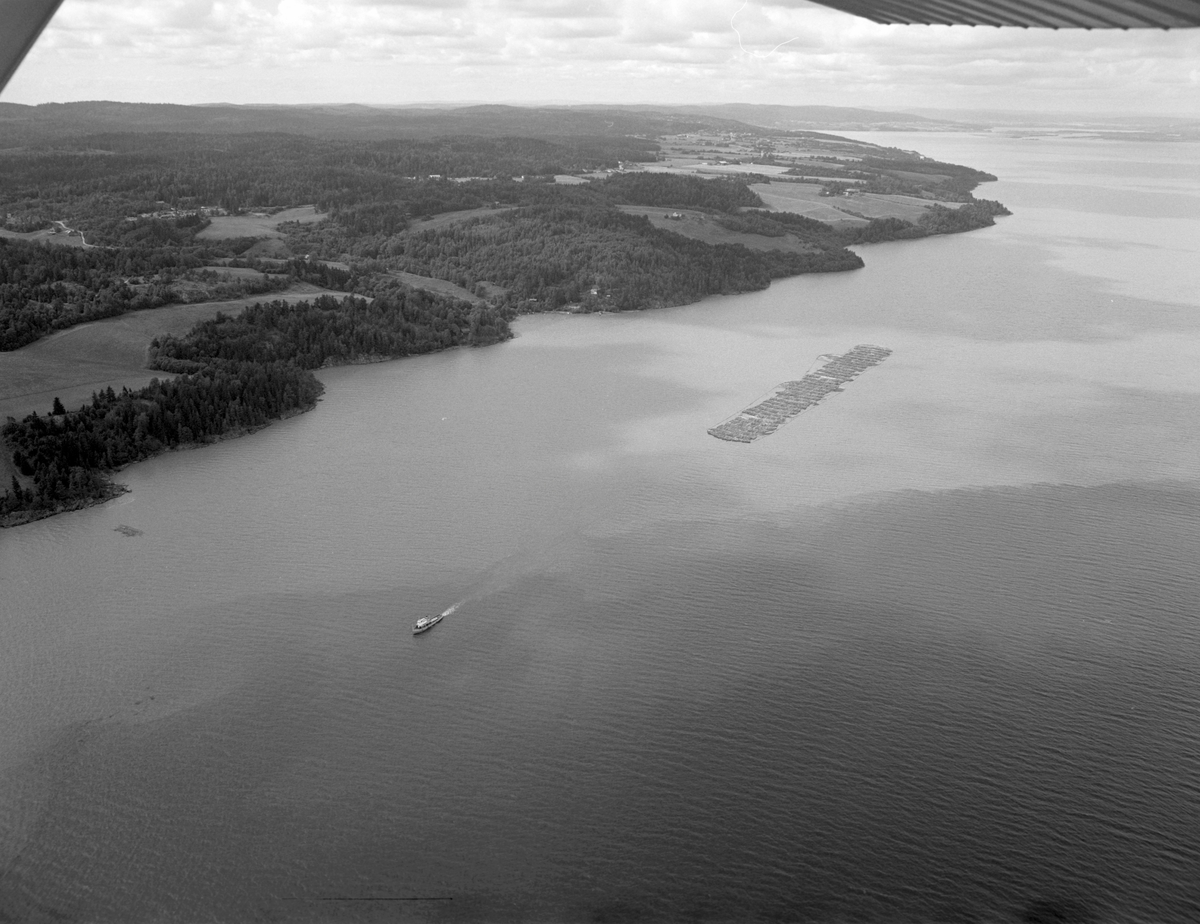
[{"x": 929, "y": 653}]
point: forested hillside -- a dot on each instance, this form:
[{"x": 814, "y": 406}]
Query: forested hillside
[
  {"x": 329, "y": 330},
  {"x": 551, "y": 256},
  {"x": 108, "y": 178}
]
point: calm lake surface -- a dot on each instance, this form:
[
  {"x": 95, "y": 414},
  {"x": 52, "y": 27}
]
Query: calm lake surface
[{"x": 931, "y": 652}]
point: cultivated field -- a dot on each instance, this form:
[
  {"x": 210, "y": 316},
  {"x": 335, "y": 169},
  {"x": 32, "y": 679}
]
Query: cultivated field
[
  {"x": 805, "y": 199},
  {"x": 257, "y": 224},
  {"x": 691, "y": 167},
  {"x": 702, "y": 227}
]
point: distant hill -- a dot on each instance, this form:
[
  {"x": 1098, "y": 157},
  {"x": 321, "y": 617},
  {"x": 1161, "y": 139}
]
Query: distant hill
[
  {"x": 50, "y": 121},
  {"x": 826, "y": 118},
  {"x": 1097, "y": 124},
  {"x": 21, "y": 125}
]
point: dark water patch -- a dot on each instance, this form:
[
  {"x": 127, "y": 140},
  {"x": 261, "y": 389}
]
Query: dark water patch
[
  {"x": 902, "y": 710},
  {"x": 912, "y": 765}
]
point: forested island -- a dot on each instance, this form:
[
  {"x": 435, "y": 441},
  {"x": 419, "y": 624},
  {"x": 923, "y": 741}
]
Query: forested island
[{"x": 108, "y": 209}]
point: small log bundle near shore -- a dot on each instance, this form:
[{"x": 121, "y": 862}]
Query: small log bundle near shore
[{"x": 790, "y": 398}]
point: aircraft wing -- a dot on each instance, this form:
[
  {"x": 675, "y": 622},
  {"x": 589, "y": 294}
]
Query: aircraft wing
[
  {"x": 1050, "y": 14},
  {"x": 21, "y": 22}
]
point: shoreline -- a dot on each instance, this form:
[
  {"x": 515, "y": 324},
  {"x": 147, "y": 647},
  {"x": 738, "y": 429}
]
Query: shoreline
[
  {"x": 25, "y": 517},
  {"x": 60, "y": 363},
  {"x": 115, "y": 489}
]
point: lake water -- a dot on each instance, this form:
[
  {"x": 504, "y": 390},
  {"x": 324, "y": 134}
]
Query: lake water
[{"x": 931, "y": 652}]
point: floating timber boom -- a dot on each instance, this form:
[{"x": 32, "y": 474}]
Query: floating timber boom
[{"x": 790, "y": 398}]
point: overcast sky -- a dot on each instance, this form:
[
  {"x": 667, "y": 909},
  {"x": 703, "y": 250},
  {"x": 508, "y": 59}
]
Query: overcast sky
[{"x": 407, "y": 51}]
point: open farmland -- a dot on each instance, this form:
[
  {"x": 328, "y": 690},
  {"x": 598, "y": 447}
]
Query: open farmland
[
  {"x": 853, "y": 209},
  {"x": 874, "y": 205},
  {"x": 257, "y": 224},
  {"x": 702, "y": 227},
  {"x": 806, "y": 199}
]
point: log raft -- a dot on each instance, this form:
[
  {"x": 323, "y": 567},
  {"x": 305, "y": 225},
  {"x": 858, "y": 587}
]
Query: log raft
[{"x": 790, "y": 398}]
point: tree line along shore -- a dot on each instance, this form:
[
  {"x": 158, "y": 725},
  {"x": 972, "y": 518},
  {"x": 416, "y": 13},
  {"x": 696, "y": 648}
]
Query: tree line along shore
[
  {"x": 231, "y": 375},
  {"x": 533, "y": 245}
]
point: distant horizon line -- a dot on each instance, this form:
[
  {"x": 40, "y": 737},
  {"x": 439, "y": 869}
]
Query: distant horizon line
[{"x": 917, "y": 110}]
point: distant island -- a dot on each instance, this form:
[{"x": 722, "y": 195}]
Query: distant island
[{"x": 438, "y": 228}]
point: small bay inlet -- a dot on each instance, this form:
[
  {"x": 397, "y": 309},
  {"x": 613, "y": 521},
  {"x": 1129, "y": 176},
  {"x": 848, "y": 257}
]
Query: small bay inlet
[{"x": 789, "y": 399}]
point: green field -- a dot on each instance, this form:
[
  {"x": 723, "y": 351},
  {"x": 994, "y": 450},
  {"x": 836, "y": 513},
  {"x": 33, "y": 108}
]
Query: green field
[
  {"x": 436, "y": 286},
  {"x": 702, "y": 227},
  {"x": 257, "y": 224}
]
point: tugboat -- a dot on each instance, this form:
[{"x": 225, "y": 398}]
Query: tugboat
[{"x": 425, "y": 623}]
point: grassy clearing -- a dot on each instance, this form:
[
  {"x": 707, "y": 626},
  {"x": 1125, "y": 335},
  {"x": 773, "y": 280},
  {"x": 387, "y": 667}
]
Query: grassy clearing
[
  {"x": 257, "y": 224},
  {"x": 46, "y": 236},
  {"x": 271, "y": 248},
  {"x": 451, "y": 218},
  {"x": 73, "y": 363},
  {"x": 436, "y": 286},
  {"x": 236, "y": 272},
  {"x": 701, "y": 227}
]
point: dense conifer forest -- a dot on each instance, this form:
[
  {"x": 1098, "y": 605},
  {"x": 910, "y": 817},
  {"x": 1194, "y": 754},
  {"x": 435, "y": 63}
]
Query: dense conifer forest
[
  {"x": 329, "y": 330},
  {"x": 67, "y": 456}
]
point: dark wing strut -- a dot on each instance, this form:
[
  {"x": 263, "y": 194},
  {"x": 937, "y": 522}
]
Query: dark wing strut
[{"x": 21, "y": 22}]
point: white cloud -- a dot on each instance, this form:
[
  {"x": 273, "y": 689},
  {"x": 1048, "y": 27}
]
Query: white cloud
[{"x": 591, "y": 50}]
